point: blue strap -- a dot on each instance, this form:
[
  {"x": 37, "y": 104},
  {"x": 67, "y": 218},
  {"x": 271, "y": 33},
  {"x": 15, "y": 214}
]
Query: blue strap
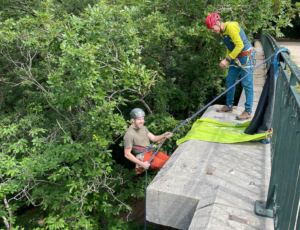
[
  {"x": 275, "y": 63},
  {"x": 264, "y": 141}
]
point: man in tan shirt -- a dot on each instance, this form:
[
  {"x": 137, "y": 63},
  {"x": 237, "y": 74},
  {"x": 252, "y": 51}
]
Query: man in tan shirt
[{"x": 137, "y": 140}]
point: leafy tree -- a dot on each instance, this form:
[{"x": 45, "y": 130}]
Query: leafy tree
[{"x": 60, "y": 86}]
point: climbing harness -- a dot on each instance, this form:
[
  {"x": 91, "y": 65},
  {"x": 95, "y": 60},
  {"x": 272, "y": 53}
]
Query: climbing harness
[
  {"x": 247, "y": 52},
  {"x": 252, "y": 63},
  {"x": 139, "y": 169},
  {"x": 188, "y": 119}
]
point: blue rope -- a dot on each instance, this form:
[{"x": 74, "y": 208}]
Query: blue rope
[
  {"x": 145, "y": 221},
  {"x": 187, "y": 120}
]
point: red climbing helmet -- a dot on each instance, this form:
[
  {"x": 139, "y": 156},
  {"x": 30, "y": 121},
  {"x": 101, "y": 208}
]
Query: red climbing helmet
[{"x": 211, "y": 20}]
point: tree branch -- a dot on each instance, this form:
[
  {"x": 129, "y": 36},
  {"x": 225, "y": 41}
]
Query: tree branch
[
  {"x": 9, "y": 212},
  {"x": 6, "y": 222},
  {"x": 63, "y": 130},
  {"x": 155, "y": 58}
]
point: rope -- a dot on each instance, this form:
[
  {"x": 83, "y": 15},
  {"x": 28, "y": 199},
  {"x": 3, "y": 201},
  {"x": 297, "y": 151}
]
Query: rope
[
  {"x": 188, "y": 119},
  {"x": 145, "y": 221}
]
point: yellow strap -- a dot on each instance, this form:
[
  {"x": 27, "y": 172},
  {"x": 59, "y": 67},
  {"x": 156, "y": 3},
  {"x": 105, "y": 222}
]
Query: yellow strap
[{"x": 162, "y": 140}]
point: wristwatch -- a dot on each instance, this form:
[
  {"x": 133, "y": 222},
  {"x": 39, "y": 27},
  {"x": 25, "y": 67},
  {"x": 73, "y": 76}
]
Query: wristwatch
[{"x": 228, "y": 59}]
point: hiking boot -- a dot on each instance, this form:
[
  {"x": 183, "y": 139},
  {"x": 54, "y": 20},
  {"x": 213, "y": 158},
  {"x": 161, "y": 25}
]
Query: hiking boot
[
  {"x": 244, "y": 116},
  {"x": 225, "y": 109}
]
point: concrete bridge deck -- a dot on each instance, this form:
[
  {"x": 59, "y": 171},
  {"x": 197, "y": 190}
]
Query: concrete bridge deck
[{"x": 207, "y": 186}]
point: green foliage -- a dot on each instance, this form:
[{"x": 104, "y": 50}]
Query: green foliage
[
  {"x": 70, "y": 73},
  {"x": 292, "y": 30}
]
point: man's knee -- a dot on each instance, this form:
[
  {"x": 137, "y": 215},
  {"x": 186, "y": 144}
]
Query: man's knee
[
  {"x": 247, "y": 84},
  {"x": 163, "y": 156},
  {"x": 230, "y": 79},
  {"x": 229, "y": 82}
]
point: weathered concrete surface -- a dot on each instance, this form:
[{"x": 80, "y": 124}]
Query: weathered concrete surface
[
  {"x": 221, "y": 217},
  {"x": 208, "y": 186}
]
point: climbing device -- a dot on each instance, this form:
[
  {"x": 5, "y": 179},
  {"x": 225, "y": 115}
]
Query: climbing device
[
  {"x": 151, "y": 148},
  {"x": 139, "y": 169},
  {"x": 188, "y": 119}
]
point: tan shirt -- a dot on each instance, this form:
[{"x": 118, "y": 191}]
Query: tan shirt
[{"x": 137, "y": 137}]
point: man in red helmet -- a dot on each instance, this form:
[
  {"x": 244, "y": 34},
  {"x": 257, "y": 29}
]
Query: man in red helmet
[{"x": 240, "y": 56}]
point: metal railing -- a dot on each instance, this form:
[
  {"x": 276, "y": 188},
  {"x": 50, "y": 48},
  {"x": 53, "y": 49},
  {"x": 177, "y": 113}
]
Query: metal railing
[{"x": 283, "y": 199}]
